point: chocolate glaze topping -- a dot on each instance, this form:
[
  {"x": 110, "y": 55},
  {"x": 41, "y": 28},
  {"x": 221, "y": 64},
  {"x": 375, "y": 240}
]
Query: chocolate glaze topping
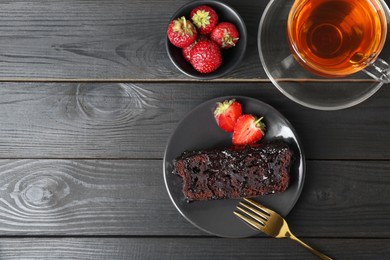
[{"x": 235, "y": 172}]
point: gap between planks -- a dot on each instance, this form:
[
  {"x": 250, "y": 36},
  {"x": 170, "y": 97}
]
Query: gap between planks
[
  {"x": 183, "y": 237},
  {"x": 126, "y": 80}
]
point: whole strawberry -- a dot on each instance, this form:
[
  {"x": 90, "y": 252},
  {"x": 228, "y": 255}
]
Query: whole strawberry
[
  {"x": 186, "y": 51},
  {"x": 226, "y": 114},
  {"x": 248, "y": 130},
  {"x": 206, "y": 56},
  {"x": 205, "y": 18},
  {"x": 225, "y": 34},
  {"x": 181, "y": 32}
]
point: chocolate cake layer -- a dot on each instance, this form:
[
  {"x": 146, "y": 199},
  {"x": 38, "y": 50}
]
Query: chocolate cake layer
[{"x": 235, "y": 172}]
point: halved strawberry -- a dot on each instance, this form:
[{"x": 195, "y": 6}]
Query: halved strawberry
[
  {"x": 248, "y": 130},
  {"x": 226, "y": 114}
]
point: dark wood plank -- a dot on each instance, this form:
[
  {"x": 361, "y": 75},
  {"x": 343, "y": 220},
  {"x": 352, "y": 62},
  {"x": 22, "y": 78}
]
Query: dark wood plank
[
  {"x": 103, "y": 40},
  {"x": 85, "y": 197},
  {"x": 344, "y": 199},
  {"x": 108, "y": 39},
  {"x": 57, "y": 197},
  {"x": 128, "y": 197},
  {"x": 42, "y": 120},
  {"x": 188, "y": 248}
]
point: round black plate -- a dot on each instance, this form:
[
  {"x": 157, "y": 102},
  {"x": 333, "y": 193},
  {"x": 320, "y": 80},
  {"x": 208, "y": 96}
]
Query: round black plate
[{"x": 198, "y": 130}]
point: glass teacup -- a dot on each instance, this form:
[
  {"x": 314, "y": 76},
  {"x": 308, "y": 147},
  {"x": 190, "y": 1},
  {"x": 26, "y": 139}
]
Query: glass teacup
[{"x": 289, "y": 62}]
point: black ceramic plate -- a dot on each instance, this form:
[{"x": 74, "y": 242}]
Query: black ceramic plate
[{"x": 198, "y": 130}]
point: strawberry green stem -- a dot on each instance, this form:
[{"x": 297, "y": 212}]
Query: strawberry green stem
[
  {"x": 258, "y": 120},
  {"x": 182, "y": 27},
  {"x": 260, "y": 125}
]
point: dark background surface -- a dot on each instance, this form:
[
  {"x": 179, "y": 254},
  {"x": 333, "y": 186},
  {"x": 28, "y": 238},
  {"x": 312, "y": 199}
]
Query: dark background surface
[{"x": 88, "y": 99}]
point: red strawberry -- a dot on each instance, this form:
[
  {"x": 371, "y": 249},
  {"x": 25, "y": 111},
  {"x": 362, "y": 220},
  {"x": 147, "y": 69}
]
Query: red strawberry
[
  {"x": 227, "y": 113},
  {"x": 225, "y": 35},
  {"x": 205, "y": 18},
  {"x": 186, "y": 51},
  {"x": 248, "y": 130},
  {"x": 206, "y": 56},
  {"x": 181, "y": 32}
]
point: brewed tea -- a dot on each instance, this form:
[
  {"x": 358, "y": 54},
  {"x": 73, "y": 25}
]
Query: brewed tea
[{"x": 335, "y": 38}]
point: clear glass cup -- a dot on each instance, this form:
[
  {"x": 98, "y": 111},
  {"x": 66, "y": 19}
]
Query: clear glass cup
[{"x": 304, "y": 87}]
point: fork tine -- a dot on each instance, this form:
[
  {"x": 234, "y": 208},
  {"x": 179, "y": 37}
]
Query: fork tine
[
  {"x": 257, "y": 212},
  {"x": 251, "y": 222},
  {"x": 257, "y": 216},
  {"x": 259, "y": 206},
  {"x": 253, "y": 215}
]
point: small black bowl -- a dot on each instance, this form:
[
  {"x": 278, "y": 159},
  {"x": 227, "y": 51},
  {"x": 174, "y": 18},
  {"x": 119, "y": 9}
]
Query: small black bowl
[{"x": 230, "y": 57}]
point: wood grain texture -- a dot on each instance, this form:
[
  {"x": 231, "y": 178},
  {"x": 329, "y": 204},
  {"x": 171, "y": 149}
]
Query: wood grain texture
[
  {"x": 128, "y": 198},
  {"x": 344, "y": 198},
  {"x": 103, "y": 40},
  {"x": 81, "y": 170},
  {"x": 135, "y": 120},
  {"x": 85, "y": 197},
  {"x": 188, "y": 248},
  {"x": 107, "y": 39}
]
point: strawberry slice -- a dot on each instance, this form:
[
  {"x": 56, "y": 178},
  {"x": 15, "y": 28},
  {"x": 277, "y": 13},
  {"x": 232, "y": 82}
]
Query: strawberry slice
[
  {"x": 226, "y": 114},
  {"x": 248, "y": 130}
]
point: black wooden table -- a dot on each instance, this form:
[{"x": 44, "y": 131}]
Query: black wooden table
[{"x": 88, "y": 99}]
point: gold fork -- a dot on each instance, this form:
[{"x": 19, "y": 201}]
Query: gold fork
[{"x": 269, "y": 222}]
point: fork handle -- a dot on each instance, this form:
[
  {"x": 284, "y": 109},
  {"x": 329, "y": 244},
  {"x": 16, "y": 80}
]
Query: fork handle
[{"x": 319, "y": 254}]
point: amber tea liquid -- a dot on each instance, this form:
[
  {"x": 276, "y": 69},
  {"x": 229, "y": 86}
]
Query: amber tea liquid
[{"x": 335, "y": 38}]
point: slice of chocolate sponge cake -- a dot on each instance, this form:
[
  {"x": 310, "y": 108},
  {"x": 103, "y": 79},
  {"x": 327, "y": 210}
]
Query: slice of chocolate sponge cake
[{"x": 235, "y": 172}]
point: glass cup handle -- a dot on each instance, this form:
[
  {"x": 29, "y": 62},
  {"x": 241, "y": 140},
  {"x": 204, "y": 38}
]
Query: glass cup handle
[{"x": 379, "y": 70}]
